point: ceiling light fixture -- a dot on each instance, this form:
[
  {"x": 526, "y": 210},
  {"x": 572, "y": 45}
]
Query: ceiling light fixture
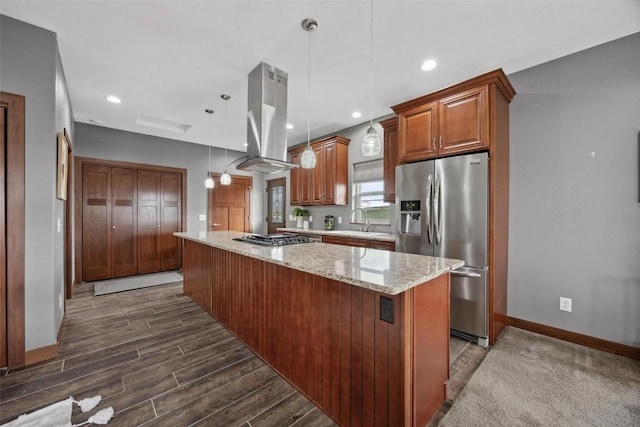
[
  {"x": 308, "y": 157},
  {"x": 356, "y": 114},
  {"x": 428, "y": 65},
  {"x": 371, "y": 142},
  {"x": 225, "y": 178},
  {"x": 208, "y": 183},
  {"x": 114, "y": 99}
]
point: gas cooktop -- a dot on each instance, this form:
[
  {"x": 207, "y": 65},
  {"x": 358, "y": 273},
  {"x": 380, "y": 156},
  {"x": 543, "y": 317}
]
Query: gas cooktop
[{"x": 273, "y": 239}]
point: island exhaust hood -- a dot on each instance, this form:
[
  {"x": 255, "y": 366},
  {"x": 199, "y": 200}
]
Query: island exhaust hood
[{"x": 267, "y": 121}]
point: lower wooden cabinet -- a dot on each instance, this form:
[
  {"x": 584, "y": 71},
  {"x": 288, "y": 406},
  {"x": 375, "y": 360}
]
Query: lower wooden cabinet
[{"x": 361, "y": 243}]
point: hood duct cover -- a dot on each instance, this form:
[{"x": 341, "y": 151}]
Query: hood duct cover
[{"x": 267, "y": 121}]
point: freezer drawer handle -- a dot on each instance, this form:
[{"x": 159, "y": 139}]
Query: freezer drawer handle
[{"x": 464, "y": 274}]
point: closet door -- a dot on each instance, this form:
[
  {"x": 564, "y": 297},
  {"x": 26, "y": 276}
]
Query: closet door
[
  {"x": 124, "y": 185},
  {"x": 170, "y": 221},
  {"x": 148, "y": 221},
  {"x": 96, "y": 222}
]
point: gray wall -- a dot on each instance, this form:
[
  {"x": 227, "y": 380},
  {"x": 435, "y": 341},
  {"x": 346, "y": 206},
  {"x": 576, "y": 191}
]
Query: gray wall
[
  {"x": 574, "y": 214},
  {"x": 105, "y": 143},
  {"x": 30, "y": 66},
  {"x": 355, "y": 134}
]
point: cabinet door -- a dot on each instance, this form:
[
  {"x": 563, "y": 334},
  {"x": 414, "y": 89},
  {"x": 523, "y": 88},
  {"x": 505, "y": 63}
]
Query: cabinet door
[
  {"x": 148, "y": 221},
  {"x": 170, "y": 221},
  {"x": 330, "y": 172},
  {"x": 463, "y": 122},
  {"x": 318, "y": 177},
  {"x": 96, "y": 222},
  {"x": 124, "y": 183},
  {"x": 306, "y": 179},
  {"x": 417, "y": 133},
  {"x": 390, "y": 161},
  {"x": 295, "y": 178}
]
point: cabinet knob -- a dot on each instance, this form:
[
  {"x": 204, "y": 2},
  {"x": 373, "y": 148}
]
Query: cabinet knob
[{"x": 158, "y": 225}]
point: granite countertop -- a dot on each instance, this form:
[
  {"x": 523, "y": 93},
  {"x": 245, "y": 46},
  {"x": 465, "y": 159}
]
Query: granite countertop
[
  {"x": 378, "y": 270},
  {"x": 369, "y": 235}
]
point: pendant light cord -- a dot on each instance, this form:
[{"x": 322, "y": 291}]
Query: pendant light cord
[
  {"x": 209, "y": 144},
  {"x": 371, "y": 67},
  {"x": 225, "y": 132},
  {"x": 309, "y": 92}
]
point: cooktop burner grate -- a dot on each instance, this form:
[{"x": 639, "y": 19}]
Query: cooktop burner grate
[{"x": 273, "y": 239}]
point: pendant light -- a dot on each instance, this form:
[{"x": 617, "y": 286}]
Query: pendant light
[
  {"x": 225, "y": 179},
  {"x": 371, "y": 142},
  {"x": 308, "y": 157},
  {"x": 208, "y": 183}
]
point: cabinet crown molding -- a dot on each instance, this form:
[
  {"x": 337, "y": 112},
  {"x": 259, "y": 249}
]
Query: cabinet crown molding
[
  {"x": 336, "y": 138},
  {"x": 496, "y": 77}
]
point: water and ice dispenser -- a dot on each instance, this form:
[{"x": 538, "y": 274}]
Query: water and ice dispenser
[{"x": 410, "y": 217}]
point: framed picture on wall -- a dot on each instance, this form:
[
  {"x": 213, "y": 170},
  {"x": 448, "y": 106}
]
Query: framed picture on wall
[{"x": 63, "y": 165}]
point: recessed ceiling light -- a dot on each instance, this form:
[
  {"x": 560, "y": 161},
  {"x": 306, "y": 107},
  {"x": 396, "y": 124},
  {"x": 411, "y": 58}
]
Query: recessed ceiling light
[
  {"x": 246, "y": 144},
  {"x": 114, "y": 99},
  {"x": 289, "y": 126},
  {"x": 429, "y": 65},
  {"x": 356, "y": 114}
]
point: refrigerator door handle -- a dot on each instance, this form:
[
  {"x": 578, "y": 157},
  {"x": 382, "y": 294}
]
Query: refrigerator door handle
[
  {"x": 428, "y": 221},
  {"x": 437, "y": 217},
  {"x": 464, "y": 274}
]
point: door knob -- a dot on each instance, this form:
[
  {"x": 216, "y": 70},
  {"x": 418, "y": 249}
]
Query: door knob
[
  {"x": 158, "y": 225},
  {"x": 114, "y": 227}
]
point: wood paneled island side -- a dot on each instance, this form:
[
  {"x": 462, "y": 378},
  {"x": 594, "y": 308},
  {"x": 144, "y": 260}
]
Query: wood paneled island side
[{"x": 313, "y": 313}]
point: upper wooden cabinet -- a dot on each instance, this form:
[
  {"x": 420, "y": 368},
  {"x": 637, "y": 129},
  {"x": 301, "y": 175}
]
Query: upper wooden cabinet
[
  {"x": 390, "y": 160},
  {"x": 326, "y": 184},
  {"x": 451, "y": 121}
]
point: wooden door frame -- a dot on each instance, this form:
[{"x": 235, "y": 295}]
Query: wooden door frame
[
  {"x": 68, "y": 224},
  {"x": 79, "y": 162},
  {"x": 276, "y": 182},
  {"x": 15, "y": 230},
  {"x": 247, "y": 199}
]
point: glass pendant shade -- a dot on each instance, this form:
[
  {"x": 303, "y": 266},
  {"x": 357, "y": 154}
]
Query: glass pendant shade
[
  {"x": 308, "y": 158},
  {"x": 225, "y": 178},
  {"x": 371, "y": 145},
  {"x": 208, "y": 183}
]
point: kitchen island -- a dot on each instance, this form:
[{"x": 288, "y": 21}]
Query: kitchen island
[{"x": 314, "y": 312}]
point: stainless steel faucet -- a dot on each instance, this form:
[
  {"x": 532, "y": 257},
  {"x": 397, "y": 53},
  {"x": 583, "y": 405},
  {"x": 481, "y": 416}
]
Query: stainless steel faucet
[{"x": 367, "y": 221}]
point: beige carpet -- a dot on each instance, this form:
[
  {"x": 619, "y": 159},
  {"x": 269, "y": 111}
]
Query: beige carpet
[{"x": 532, "y": 380}]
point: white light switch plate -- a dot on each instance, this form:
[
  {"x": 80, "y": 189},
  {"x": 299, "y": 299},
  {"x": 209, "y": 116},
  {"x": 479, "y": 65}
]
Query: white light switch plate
[{"x": 202, "y": 217}]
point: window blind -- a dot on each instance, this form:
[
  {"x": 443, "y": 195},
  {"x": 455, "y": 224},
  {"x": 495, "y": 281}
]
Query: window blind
[{"x": 368, "y": 171}]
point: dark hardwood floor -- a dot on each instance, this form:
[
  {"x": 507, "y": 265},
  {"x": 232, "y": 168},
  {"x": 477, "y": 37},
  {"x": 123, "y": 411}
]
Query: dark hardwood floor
[{"x": 159, "y": 359}]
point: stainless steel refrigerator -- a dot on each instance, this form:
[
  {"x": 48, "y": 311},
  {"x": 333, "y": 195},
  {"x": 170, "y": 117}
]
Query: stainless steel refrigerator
[{"x": 443, "y": 211}]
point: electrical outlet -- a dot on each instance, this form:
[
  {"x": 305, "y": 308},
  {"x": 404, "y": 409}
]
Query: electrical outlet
[
  {"x": 339, "y": 220},
  {"x": 386, "y": 309},
  {"x": 61, "y": 302},
  {"x": 310, "y": 218},
  {"x": 565, "y": 304},
  {"x": 202, "y": 217}
]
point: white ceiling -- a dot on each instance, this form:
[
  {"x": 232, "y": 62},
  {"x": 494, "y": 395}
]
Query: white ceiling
[{"x": 173, "y": 59}]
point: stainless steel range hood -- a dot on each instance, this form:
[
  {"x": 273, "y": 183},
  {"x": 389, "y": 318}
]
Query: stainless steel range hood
[{"x": 267, "y": 121}]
